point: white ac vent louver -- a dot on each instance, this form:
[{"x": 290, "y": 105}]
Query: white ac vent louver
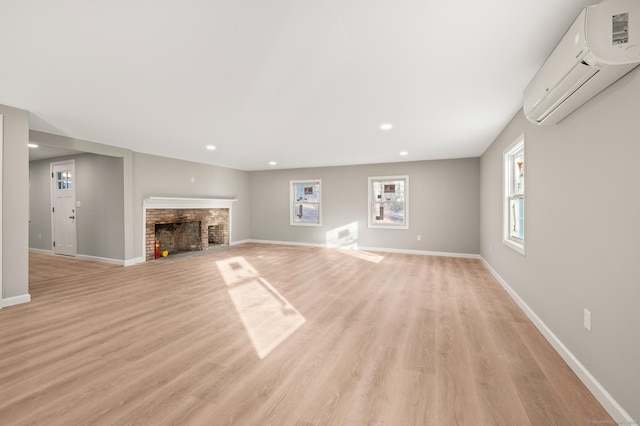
[{"x": 602, "y": 45}]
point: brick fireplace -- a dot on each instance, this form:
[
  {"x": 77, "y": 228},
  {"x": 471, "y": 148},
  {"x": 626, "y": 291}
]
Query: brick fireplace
[{"x": 185, "y": 224}]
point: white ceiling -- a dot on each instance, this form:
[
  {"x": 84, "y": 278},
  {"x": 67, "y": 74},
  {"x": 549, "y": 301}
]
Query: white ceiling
[
  {"x": 303, "y": 83},
  {"x": 42, "y": 152}
]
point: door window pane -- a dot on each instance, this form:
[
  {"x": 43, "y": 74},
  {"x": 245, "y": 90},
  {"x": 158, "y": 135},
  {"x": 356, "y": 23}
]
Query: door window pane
[{"x": 64, "y": 180}]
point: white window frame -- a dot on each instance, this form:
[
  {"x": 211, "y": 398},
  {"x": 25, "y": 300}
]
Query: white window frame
[
  {"x": 372, "y": 200},
  {"x": 511, "y": 192},
  {"x": 293, "y": 202}
]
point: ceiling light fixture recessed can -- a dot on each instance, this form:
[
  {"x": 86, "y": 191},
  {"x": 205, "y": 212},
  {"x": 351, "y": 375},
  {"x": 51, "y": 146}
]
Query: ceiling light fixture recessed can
[
  {"x": 272, "y": 163},
  {"x": 211, "y": 147},
  {"x": 32, "y": 145},
  {"x": 386, "y": 126},
  {"x": 404, "y": 153}
]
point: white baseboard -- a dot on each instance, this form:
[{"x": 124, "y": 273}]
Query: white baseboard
[
  {"x": 378, "y": 249},
  {"x": 87, "y": 257},
  {"x": 101, "y": 259},
  {"x": 286, "y": 243},
  {"x": 134, "y": 261},
  {"x": 36, "y": 250},
  {"x": 421, "y": 252},
  {"x": 599, "y": 392},
  {"x": 16, "y": 300}
]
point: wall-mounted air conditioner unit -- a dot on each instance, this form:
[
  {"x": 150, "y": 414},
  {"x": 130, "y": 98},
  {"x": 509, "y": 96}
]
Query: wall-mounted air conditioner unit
[{"x": 602, "y": 45}]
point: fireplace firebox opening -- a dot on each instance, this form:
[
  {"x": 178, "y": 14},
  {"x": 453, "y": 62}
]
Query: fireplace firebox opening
[
  {"x": 177, "y": 237},
  {"x": 185, "y": 229}
]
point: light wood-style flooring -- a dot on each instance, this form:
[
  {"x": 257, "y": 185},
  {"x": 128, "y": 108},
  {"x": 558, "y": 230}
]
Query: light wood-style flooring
[
  {"x": 282, "y": 335},
  {"x": 47, "y": 267}
]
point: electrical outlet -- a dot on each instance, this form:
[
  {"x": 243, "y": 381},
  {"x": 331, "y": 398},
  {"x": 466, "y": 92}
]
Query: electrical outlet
[
  {"x": 587, "y": 320},
  {"x": 419, "y": 237},
  {"x": 39, "y": 236}
]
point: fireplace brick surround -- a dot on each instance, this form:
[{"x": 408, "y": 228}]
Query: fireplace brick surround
[
  {"x": 214, "y": 218},
  {"x": 214, "y": 222}
]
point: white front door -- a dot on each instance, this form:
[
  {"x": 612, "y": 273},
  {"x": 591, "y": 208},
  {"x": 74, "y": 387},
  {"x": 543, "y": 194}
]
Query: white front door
[{"x": 63, "y": 207}]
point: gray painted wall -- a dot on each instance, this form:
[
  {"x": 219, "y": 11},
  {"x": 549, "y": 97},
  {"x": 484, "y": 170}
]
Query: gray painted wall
[
  {"x": 444, "y": 205},
  {"x": 582, "y": 232},
  {"x": 39, "y": 205},
  {"x": 126, "y": 157},
  {"x": 15, "y": 203},
  {"x": 100, "y": 218},
  {"x": 155, "y": 176}
]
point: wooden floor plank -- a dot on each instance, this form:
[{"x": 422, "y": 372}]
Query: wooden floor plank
[
  {"x": 46, "y": 266},
  {"x": 378, "y": 338}
]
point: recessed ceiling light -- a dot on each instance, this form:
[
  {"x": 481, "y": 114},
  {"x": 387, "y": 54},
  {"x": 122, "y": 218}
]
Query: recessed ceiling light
[
  {"x": 404, "y": 153},
  {"x": 272, "y": 163},
  {"x": 33, "y": 145},
  {"x": 211, "y": 147},
  {"x": 386, "y": 126}
]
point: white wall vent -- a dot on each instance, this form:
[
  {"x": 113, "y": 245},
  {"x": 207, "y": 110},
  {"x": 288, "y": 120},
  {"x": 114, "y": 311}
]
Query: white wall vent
[{"x": 602, "y": 45}]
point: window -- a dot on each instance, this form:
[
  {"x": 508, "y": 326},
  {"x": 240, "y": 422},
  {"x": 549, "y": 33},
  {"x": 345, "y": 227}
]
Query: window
[
  {"x": 389, "y": 202},
  {"x": 63, "y": 180},
  {"x": 305, "y": 199},
  {"x": 514, "y": 172}
]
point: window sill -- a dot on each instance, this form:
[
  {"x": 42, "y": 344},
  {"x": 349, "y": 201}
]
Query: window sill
[
  {"x": 389, "y": 226},
  {"x": 305, "y": 224},
  {"x": 515, "y": 246}
]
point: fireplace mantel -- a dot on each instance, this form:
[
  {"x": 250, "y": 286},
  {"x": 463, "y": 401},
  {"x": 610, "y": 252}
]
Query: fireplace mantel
[{"x": 187, "y": 203}]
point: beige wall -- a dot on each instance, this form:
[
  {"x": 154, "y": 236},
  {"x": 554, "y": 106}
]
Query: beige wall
[
  {"x": 444, "y": 202},
  {"x": 582, "y": 232},
  {"x": 15, "y": 203}
]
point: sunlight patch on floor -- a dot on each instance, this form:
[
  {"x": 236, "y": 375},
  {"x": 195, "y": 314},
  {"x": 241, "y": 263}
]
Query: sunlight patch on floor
[
  {"x": 345, "y": 238},
  {"x": 362, "y": 255},
  {"x": 267, "y": 316}
]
